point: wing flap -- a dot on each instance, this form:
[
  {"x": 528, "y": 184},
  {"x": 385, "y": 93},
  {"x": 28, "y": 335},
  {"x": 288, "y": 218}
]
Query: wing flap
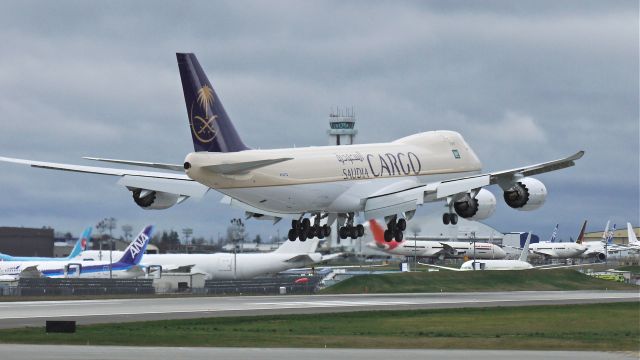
[{"x": 163, "y": 166}]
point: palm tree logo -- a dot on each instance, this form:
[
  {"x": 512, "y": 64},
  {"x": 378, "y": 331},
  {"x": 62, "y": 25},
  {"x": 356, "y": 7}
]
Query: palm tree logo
[{"x": 205, "y": 131}]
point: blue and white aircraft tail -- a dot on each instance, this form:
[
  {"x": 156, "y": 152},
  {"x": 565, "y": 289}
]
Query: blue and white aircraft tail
[
  {"x": 80, "y": 246},
  {"x": 134, "y": 252},
  {"x": 554, "y": 234}
]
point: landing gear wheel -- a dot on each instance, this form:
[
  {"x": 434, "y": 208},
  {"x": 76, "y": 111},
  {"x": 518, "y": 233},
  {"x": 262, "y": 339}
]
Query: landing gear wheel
[
  {"x": 399, "y": 236},
  {"x": 360, "y": 229},
  {"x": 446, "y": 219},
  {"x": 292, "y": 235},
  {"x": 294, "y": 224},
  {"x": 303, "y": 236},
  {"x": 306, "y": 224},
  {"x": 402, "y": 224},
  {"x": 353, "y": 232},
  {"x": 388, "y": 235},
  {"x": 454, "y": 219},
  {"x": 343, "y": 233},
  {"x": 327, "y": 230}
]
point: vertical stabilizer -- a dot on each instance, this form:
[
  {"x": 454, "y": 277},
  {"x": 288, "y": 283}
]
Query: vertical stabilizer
[
  {"x": 134, "y": 252},
  {"x": 581, "y": 235},
  {"x": 633, "y": 240},
  {"x": 525, "y": 250},
  {"x": 211, "y": 128},
  {"x": 554, "y": 234}
]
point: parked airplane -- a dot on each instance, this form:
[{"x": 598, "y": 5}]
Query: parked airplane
[
  {"x": 554, "y": 250},
  {"x": 125, "y": 267},
  {"x": 228, "y": 266},
  {"x": 520, "y": 264},
  {"x": 633, "y": 240},
  {"x": 79, "y": 247},
  {"x": 382, "y": 180},
  {"x": 433, "y": 249}
]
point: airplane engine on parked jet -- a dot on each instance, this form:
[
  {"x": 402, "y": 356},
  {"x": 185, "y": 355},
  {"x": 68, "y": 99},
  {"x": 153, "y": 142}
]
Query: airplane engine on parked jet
[
  {"x": 527, "y": 194},
  {"x": 154, "y": 200},
  {"x": 478, "y": 208}
]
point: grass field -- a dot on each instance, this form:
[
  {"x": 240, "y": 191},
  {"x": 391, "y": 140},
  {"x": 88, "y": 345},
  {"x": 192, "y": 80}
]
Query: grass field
[
  {"x": 446, "y": 281},
  {"x": 603, "y": 327},
  {"x": 633, "y": 268}
]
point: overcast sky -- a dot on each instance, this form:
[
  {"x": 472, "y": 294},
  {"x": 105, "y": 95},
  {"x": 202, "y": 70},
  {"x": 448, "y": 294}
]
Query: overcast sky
[{"x": 524, "y": 82}]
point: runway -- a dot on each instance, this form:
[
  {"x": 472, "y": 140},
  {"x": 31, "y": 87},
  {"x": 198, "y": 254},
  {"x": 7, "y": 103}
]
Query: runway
[
  {"x": 35, "y": 313},
  {"x": 67, "y": 352}
]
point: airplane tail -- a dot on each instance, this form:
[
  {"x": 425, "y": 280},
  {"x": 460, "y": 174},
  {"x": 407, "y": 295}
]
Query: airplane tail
[
  {"x": 554, "y": 234},
  {"x": 633, "y": 240},
  {"x": 298, "y": 247},
  {"x": 134, "y": 252},
  {"x": 581, "y": 235},
  {"x": 211, "y": 128},
  {"x": 81, "y": 244},
  {"x": 525, "y": 250}
]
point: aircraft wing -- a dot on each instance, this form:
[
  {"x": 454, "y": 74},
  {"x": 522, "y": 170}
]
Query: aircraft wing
[
  {"x": 407, "y": 199},
  {"x": 179, "y": 184},
  {"x": 440, "y": 267},
  {"x": 542, "y": 253},
  {"x": 551, "y": 267},
  {"x": 31, "y": 272}
]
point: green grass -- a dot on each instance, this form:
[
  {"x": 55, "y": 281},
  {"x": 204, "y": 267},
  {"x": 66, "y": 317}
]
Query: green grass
[
  {"x": 604, "y": 327},
  {"x": 446, "y": 281}
]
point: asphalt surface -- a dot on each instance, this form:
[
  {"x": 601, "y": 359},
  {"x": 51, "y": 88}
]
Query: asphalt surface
[
  {"x": 35, "y": 313},
  {"x": 68, "y": 352}
]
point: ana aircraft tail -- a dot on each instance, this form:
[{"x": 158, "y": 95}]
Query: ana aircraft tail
[
  {"x": 134, "y": 252},
  {"x": 211, "y": 128}
]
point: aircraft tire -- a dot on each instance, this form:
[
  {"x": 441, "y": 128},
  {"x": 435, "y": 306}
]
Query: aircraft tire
[
  {"x": 399, "y": 235},
  {"x": 402, "y": 224},
  {"x": 292, "y": 235},
  {"x": 446, "y": 219},
  {"x": 327, "y": 230},
  {"x": 454, "y": 219},
  {"x": 343, "y": 233},
  {"x": 303, "y": 236},
  {"x": 353, "y": 232},
  {"x": 388, "y": 235},
  {"x": 360, "y": 228}
]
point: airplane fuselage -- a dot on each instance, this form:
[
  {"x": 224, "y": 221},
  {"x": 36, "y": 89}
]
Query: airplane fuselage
[
  {"x": 496, "y": 265},
  {"x": 558, "y": 250},
  {"x": 461, "y": 249},
  {"x": 335, "y": 179}
]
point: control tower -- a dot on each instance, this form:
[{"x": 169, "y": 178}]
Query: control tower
[{"x": 342, "y": 127}]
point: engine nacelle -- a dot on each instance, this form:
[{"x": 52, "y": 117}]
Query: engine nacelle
[
  {"x": 478, "y": 208},
  {"x": 527, "y": 194},
  {"x": 601, "y": 256},
  {"x": 154, "y": 200}
]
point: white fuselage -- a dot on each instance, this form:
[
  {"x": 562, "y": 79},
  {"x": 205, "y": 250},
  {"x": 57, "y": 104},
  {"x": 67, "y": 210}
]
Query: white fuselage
[
  {"x": 335, "y": 179},
  {"x": 558, "y": 250},
  {"x": 424, "y": 248},
  {"x": 496, "y": 265},
  {"x": 224, "y": 266}
]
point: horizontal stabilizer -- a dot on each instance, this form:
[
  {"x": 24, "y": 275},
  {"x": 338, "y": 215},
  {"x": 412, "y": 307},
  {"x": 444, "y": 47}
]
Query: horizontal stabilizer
[
  {"x": 240, "y": 167},
  {"x": 172, "y": 167},
  {"x": 300, "y": 258},
  {"x": 440, "y": 267}
]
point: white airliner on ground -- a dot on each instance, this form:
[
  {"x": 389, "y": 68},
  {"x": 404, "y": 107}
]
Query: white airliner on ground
[
  {"x": 557, "y": 250},
  {"x": 633, "y": 240},
  {"x": 520, "y": 264},
  {"x": 383, "y": 180},
  {"x": 433, "y": 249},
  {"x": 126, "y": 267},
  {"x": 228, "y": 266}
]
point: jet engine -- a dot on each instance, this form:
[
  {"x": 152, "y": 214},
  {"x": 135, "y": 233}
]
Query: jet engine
[
  {"x": 527, "y": 194},
  {"x": 601, "y": 256},
  {"x": 154, "y": 200},
  {"x": 478, "y": 208}
]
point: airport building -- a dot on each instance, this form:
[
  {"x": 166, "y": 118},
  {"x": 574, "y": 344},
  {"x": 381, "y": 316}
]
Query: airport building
[{"x": 19, "y": 241}]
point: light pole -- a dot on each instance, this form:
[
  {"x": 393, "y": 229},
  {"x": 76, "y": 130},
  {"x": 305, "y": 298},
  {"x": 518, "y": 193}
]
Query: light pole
[
  {"x": 473, "y": 238},
  {"x": 237, "y": 234}
]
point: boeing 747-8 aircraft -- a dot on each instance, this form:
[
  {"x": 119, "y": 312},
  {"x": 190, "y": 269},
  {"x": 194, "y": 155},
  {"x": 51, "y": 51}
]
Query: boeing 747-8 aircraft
[{"x": 337, "y": 183}]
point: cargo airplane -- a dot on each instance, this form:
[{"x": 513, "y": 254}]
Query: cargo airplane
[{"x": 337, "y": 183}]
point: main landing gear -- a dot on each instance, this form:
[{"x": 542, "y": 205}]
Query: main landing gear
[
  {"x": 351, "y": 230},
  {"x": 303, "y": 230},
  {"x": 395, "y": 228}
]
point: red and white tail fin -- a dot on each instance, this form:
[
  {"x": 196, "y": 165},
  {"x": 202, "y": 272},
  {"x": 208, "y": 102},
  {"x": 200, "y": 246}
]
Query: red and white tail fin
[{"x": 581, "y": 235}]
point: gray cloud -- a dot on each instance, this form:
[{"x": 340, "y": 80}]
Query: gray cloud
[{"x": 523, "y": 82}]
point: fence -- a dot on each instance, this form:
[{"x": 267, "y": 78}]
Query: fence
[
  {"x": 264, "y": 286},
  {"x": 67, "y": 287}
]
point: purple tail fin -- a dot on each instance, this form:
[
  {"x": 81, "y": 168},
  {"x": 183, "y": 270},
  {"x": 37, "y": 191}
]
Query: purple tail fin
[
  {"x": 211, "y": 128},
  {"x": 134, "y": 252}
]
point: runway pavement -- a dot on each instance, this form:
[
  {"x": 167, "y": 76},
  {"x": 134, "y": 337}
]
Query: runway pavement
[
  {"x": 35, "y": 313},
  {"x": 59, "y": 352}
]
